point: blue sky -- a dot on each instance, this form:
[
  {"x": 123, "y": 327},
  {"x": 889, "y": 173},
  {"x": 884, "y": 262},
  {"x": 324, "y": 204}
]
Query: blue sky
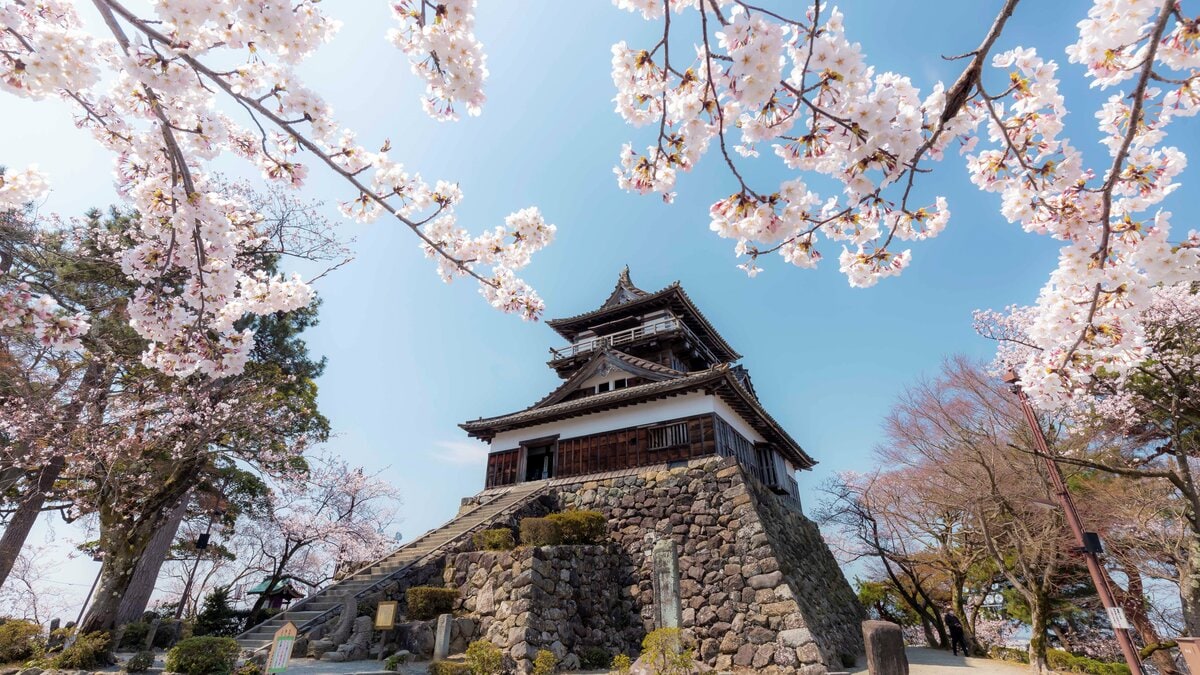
[{"x": 410, "y": 357}]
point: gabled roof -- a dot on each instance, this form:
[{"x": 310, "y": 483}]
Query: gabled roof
[
  {"x": 608, "y": 358},
  {"x": 627, "y": 299},
  {"x": 720, "y": 380},
  {"x": 624, "y": 292}
]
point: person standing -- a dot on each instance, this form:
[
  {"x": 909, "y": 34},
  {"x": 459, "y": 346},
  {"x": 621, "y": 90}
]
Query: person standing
[{"x": 956, "y": 633}]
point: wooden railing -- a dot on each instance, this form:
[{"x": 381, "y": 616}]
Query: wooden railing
[{"x": 666, "y": 326}]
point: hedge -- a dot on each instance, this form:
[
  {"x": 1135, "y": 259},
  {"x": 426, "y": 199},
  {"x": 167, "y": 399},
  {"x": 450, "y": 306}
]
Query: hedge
[
  {"x": 19, "y": 640},
  {"x": 206, "y": 655},
  {"x": 427, "y": 602},
  {"x": 580, "y": 527},
  {"x": 1066, "y": 661},
  {"x": 89, "y": 652},
  {"x": 540, "y": 532},
  {"x": 496, "y": 539},
  {"x": 139, "y": 662}
]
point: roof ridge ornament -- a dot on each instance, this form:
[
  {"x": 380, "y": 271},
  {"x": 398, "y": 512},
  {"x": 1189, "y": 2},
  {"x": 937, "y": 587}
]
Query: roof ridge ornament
[{"x": 625, "y": 291}]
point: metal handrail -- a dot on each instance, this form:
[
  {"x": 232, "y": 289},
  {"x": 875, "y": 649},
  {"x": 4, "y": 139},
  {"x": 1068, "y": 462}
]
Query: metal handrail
[
  {"x": 668, "y": 325},
  {"x": 438, "y": 550}
]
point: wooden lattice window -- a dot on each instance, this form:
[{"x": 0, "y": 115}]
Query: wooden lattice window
[{"x": 668, "y": 435}]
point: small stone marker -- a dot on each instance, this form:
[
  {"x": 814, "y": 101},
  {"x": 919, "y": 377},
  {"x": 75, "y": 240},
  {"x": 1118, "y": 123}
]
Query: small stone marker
[
  {"x": 885, "y": 648},
  {"x": 441, "y": 637},
  {"x": 668, "y": 612},
  {"x": 148, "y": 644},
  {"x": 281, "y": 648}
]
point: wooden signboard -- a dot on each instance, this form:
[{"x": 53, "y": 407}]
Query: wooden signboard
[
  {"x": 385, "y": 615},
  {"x": 281, "y": 648}
]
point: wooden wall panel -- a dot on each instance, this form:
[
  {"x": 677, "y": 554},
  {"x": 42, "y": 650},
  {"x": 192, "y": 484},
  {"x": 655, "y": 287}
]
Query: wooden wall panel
[
  {"x": 502, "y": 468},
  {"x": 630, "y": 448}
]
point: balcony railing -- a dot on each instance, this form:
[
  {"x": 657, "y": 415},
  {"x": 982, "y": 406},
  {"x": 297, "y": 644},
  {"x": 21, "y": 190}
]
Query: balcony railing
[{"x": 668, "y": 326}]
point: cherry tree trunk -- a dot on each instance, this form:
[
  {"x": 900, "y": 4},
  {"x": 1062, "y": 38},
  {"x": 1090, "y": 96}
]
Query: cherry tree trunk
[
  {"x": 1039, "y": 626},
  {"x": 115, "y": 574},
  {"x": 26, "y": 515},
  {"x": 1189, "y": 586},
  {"x": 125, "y": 536},
  {"x": 145, "y": 575}
]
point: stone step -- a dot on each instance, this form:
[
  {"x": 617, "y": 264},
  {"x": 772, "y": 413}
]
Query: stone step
[{"x": 404, "y": 557}]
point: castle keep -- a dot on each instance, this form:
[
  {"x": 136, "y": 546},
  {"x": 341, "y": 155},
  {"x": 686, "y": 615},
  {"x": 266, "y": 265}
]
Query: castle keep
[
  {"x": 648, "y": 380},
  {"x": 656, "y": 427}
]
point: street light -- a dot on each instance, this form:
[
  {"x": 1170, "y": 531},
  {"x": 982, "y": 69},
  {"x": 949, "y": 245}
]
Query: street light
[{"x": 1089, "y": 542}]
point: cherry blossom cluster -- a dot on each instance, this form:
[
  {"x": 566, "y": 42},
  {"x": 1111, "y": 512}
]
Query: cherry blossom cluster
[
  {"x": 439, "y": 39},
  {"x": 1117, "y": 251},
  {"x": 151, "y": 93},
  {"x": 800, "y": 85},
  {"x": 18, "y": 188},
  {"x": 804, "y": 88},
  {"x": 41, "y": 316},
  {"x": 340, "y": 511}
]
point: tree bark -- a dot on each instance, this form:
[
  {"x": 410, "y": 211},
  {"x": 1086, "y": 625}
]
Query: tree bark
[
  {"x": 115, "y": 573},
  {"x": 1189, "y": 586},
  {"x": 141, "y": 585},
  {"x": 26, "y": 515},
  {"x": 1039, "y": 625},
  {"x": 1133, "y": 601},
  {"x": 124, "y": 538}
]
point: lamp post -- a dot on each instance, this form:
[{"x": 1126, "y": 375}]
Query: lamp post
[{"x": 1089, "y": 543}]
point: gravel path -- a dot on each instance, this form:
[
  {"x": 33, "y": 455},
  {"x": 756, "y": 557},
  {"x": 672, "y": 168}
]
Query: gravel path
[{"x": 924, "y": 661}]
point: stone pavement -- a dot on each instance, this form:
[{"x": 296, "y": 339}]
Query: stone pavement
[{"x": 922, "y": 661}]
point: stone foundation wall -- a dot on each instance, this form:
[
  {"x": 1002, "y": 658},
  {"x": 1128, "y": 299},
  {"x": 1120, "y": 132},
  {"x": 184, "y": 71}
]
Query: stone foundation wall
[
  {"x": 826, "y": 602},
  {"x": 561, "y": 598},
  {"x": 759, "y": 588}
]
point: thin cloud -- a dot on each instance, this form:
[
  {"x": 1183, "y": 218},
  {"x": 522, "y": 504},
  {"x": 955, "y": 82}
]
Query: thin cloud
[{"x": 461, "y": 453}]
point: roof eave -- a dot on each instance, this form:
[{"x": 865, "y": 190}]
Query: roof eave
[{"x": 564, "y": 327}]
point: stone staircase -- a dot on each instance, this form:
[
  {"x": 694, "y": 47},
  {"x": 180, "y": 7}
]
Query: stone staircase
[{"x": 316, "y": 606}]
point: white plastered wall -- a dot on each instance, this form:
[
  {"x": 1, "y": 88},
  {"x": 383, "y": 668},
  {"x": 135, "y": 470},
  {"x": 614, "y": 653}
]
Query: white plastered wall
[{"x": 695, "y": 403}]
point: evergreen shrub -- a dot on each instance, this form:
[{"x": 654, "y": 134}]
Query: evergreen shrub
[
  {"x": 217, "y": 617},
  {"x": 205, "y": 655},
  {"x": 621, "y": 664},
  {"x": 545, "y": 662},
  {"x": 134, "y": 637},
  {"x": 427, "y": 602},
  {"x": 19, "y": 640},
  {"x": 540, "y": 532},
  {"x": 139, "y": 662},
  {"x": 665, "y": 653},
  {"x": 1072, "y": 663},
  {"x": 89, "y": 652},
  {"x": 580, "y": 527},
  {"x": 495, "y": 539},
  {"x": 484, "y": 658}
]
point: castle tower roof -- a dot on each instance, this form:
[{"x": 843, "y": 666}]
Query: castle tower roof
[{"x": 627, "y": 300}]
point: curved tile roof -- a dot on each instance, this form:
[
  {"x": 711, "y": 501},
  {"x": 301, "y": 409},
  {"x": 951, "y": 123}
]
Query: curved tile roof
[
  {"x": 720, "y": 379},
  {"x": 673, "y": 295}
]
